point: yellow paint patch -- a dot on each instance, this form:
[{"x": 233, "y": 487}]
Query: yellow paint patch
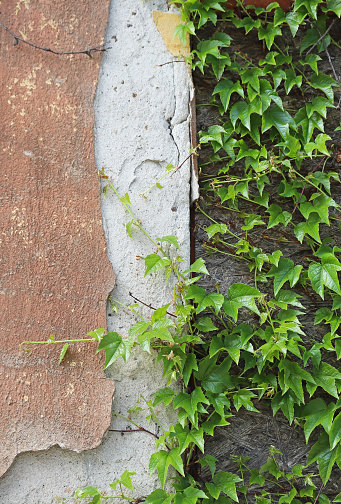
[
  {"x": 18, "y": 6},
  {"x": 165, "y": 23}
]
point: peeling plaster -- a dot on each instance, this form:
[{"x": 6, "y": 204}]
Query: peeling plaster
[{"x": 142, "y": 124}]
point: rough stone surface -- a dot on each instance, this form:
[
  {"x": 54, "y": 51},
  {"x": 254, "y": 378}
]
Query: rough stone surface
[
  {"x": 142, "y": 124},
  {"x": 55, "y": 275}
]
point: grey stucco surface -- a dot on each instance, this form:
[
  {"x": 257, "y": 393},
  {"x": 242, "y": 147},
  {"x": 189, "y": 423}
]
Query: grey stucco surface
[{"x": 142, "y": 124}]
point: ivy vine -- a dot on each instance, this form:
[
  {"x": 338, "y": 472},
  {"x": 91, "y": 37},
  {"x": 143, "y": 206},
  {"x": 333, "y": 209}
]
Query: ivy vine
[{"x": 273, "y": 168}]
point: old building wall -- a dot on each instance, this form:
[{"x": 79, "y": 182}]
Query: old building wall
[{"x": 142, "y": 120}]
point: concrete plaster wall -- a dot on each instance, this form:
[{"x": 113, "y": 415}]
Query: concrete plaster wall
[{"x": 142, "y": 124}]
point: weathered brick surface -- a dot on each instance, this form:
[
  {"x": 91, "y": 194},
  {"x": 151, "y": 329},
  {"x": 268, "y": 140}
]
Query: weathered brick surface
[{"x": 54, "y": 272}]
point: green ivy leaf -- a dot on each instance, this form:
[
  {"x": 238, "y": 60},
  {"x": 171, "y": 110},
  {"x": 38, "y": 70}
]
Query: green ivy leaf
[
  {"x": 216, "y": 228},
  {"x": 189, "y": 402},
  {"x": 293, "y": 19},
  {"x": 198, "y": 267},
  {"x": 310, "y": 227},
  {"x": 226, "y": 482},
  {"x": 205, "y": 324},
  {"x": 164, "y": 395},
  {"x": 114, "y": 347},
  {"x": 325, "y": 377},
  {"x": 334, "y": 6},
  {"x": 315, "y": 413},
  {"x": 310, "y": 5},
  {"x": 324, "y": 456},
  {"x": 286, "y": 403},
  {"x": 185, "y": 436},
  {"x": 280, "y": 119},
  {"x": 335, "y": 432},
  {"x": 63, "y": 352},
  {"x": 159, "y": 496},
  {"x": 325, "y": 274},
  {"x": 189, "y": 365},
  {"x": 240, "y": 295},
  {"x": 210, "y": 461},
  {"x": 278, "y": 216},
  {"x": 226, "y": 88},
  {"x": 161, "y": 461},
  {"x": 268, "y": 33},
  {"x": 286, "y": 271},
  {"x": 169, "y": 239},
  {"x": 291, "y": 377},
  {"x": 292, "y": 80},
  {"x": 97, "y": 334},
  {"x": 251, "y": 221},
  {"x": 125, "y": 480},
  {"x": 324, "y": 83},
  {"x": 155, "y": 263},
  {"x": 182, "y": 31},
  {"x": 189, "y": 496},
  {"x": 243, "y": 398},
  {"x": 215, "y": 421}
]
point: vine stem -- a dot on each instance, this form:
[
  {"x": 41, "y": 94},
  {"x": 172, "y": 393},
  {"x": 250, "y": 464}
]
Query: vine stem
[
  {"x": 139, "y": 427},
  {"x": 88, "y": 52},
  {"x": 126, "y": 206},
  {"x": 318, "y": 495},
  {"x": 149, "y": 305},
  {"x": 28, "y": 343},
  {"x": 114, "y": 301},
  {"x": 330, "y": 62},
  {"x": 321, "y": 37}
]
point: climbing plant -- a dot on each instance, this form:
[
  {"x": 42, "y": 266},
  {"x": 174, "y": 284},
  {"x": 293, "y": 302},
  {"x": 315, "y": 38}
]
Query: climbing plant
[{"x": 272, "y": 166}]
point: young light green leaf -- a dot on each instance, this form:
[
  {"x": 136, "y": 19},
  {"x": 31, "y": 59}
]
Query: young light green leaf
[
  {"x": 161, "y": 461},
  {"x": 97, "y": 334},
  {"x": 164, "y": 395},
  {"x": 114, "y": 347},
  {"x": 189, "y": 402},
  {"x": 155, "y": 263},
  {"x": 215, "y": 228},
  {"x": 159, "y": 496},
  {"x": 310, "y": 227},
  {"x": 90, "y": 491},
  {"x": 170, "y": 239},
  {"x": 125, "y": 199},
  {"x": 63, "y": 352},
  {"x": 198, "y": 267},
  {"x": 128, "y": 228},
  {"x": 124, "y": 479}
]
